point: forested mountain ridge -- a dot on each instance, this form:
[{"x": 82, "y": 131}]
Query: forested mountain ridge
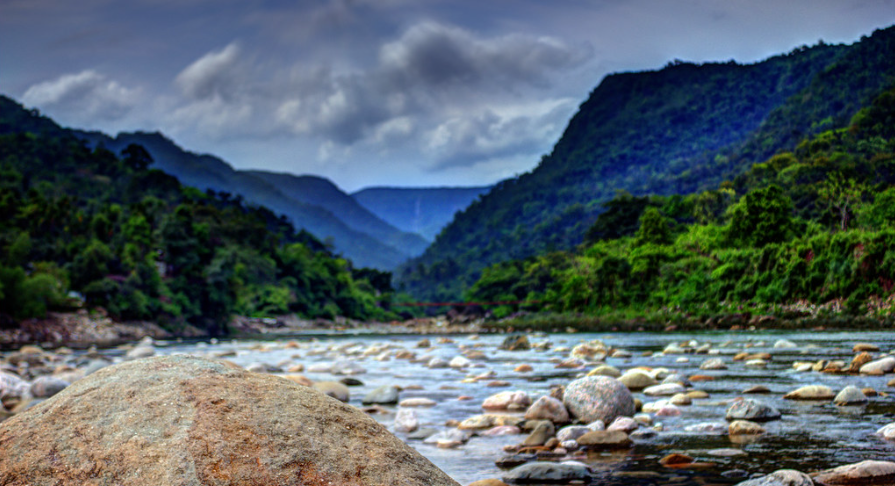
[
  {"x": 676, "y": 130},
  {"x": 422, "y": 210},
  {"x": 321, "y": 192},
  {"x": 82, "y": 226},
  {"x": 209, "y": 172}
]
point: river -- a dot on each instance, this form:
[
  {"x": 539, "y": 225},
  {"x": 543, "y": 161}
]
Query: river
[{"x": 809, "y": 437}]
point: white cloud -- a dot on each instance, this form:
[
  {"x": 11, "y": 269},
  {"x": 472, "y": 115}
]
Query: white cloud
[
  {"x": 214, "y": 75},
  {"x": 86, "y": 97}
]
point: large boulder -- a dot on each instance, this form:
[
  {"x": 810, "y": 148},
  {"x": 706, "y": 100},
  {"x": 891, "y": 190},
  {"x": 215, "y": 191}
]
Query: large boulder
[
  {"x": 862, "y": 473},
  {"x": 598, "y": 398},
  {"x": 184, "y": 421}
]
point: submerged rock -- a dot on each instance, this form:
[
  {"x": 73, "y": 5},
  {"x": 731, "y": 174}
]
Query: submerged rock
[{"x": 185, "y": 421}]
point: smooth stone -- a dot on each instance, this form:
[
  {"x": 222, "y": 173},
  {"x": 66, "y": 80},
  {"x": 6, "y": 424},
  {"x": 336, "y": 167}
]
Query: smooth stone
[
  {"x": 47, "y": 386},
  {"x": 745, "y": 427},
  {"x": 726, "y": 452},
  {"x": 515, "y": 343},
  {"x": 781, "y": 477},
  {"x": 712, "y": 428},
  {"x": 422, "y": 434},
  {"x": 643, "y": 434},
  {"x": 506, "y": 400},
  {"x": 548, "y": 408},
  {"x": 624, "y": 424},
  {"x": 675, "y": 458},
  {"x": 502, "y": 430},
  {"x": 861, "y": 473},
  {"x": 713, "y": 364},
  {"x": 754, "y": 389},
  {"x": 333, "y": 389},
  {"x": 749, "y": 409},
  {"x": 406, "y": 421},
  {"x": 459, "y": 362},
  {"x": 604, "y": 439},
  {"x": 347, "y": 368},
  {"x": 860, "y": 347},
  {"x": 637, "y": 380},
  {"x": 141, "y": 351},
  {"x": 487, "y": 421},
  {"x": 523, "y": 368},
  {"x": 178, "y": 420},
  {"x": 436, "y": 363},
  {"x": 697, "y": 394},
  {"x": 811, "y": 392},
  {"x": 488, "y": 482},
  {"x": 598, "y": 398},
  {"x": 680, "y": 399},
  {"x": 540, "y": 472},
  {"x": 514, "y": 460},
  {"x": 540, "y": 435},
  {"x": 885, "y": 365},
  {"x": 572, "y": 432},
  {"x": 850, "y": 395},
  {"x": 348, "y": 381},
  {"x": 785, "y": 344},
  {"x": 383, "y": 395},
  {"x": 450, "y": 437},
  {"x": 299, "y": 380},
  {"x": 605, "y": 370},
  {"x": 668, "y": 389},
  {"x": 756, "y": 363}
]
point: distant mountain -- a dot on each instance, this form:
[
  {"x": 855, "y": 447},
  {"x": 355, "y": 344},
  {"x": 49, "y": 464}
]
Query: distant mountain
[
  {"x": 209, "y": 172},
  {"x": 322, "y": 192},
  {"x": 424, "y": 211},
  {"x": 677, "y": 130}
]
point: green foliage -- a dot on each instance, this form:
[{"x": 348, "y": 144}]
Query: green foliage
[
  {"x": 761, "y": 217},
  {"x": 653, "y": 229},
  {"x": 136, "y": 242}
]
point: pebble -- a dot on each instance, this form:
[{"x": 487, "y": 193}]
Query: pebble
[
  {"x": 811, "y": 392},
  {"x": 417, "y": 402}
]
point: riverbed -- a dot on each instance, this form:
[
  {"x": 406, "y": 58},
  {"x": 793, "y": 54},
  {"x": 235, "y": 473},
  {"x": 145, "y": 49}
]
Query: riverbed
[{"x": 810, "y": 435}]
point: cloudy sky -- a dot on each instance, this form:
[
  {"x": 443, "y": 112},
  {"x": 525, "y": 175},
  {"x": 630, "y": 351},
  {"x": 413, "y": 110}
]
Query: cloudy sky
[{"x": 376, "y": 92}]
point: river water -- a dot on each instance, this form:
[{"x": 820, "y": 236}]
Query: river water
[{"x": 810, "y": 436}]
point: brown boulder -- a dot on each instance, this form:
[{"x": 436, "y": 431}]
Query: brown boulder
[
  {"x": 184, "y": 421},
  {"x": 865, "y": 472}
]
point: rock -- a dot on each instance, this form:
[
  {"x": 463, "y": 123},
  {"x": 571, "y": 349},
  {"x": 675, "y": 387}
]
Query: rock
[
  {"x": 547, "y": 472},
  {"x": 448, "y": 439},
  {"x": 850, "y": 395},
  {"x": 858, "y": 361},
  {"x": 523, "y": 368},
  {"x": 782, "y": 477},
  {"x": 540, "y": 435},
  {"x": 347, "y": 368},
  {"x": 383, "y": 395},
  {"x": 514, "y": 460},
  {"x": 516, "y": 400},
  {"x": 334, "y": 389},
  {"x": 711, "y": 428},
  {"x": 348, "y": 381},
  {"x": 637, "y": 380},
  {"x": 749, "y": 409},
  {"x": 141, "y": 351},
  {"x": 757, "y": 389},
  {"x": 598, "y": 398},
  {"x": 665, "y": 390},
  {"x": 713, "y": 364},
  {"x": 624, "y": 424},
  {"x": 572, "y": 432},
  {"x": 592, "y": 351},
  {"x": 406, "y": 421},
  {"x": 861, "y": 347},
  {"x": 862, "y": 473},
  {"x": 744, "y": 427},
  {"x": 697, "y": 394},
  {"x": 785, "y": 344},
  {"x": 437, "y": 363},
  {"x": 182, "y": 420},
  {"x": 548, "y": 408},
  {"x": 47, "y": 386},
  {"x": 422, "y": 434},
  {"x": 725, "y": 452},
  {"x": 300, "y": 380},
  {"x": 417, "y": 402},
  {"x": 515, "y": 343},
  {"x": 502, "y": 430},
  {"x": 680, "y": 399},
  {"x": 489, "y": 420},
  {"x": 675, "y": 458},
  {"x": 811, "y": 392},
  {"x": 887, "y": 432},
  {"x": 604, "y": 439},
  {"x": 880, "y": 366},
  {"x": 605, "y": 370},
  {"x": 11, "y": 386},
  {"x": 459, "y": 362},
  {"x": 756, "y": 363}
]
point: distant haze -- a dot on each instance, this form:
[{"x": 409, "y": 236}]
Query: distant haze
[{"x": 376, "y": 92}]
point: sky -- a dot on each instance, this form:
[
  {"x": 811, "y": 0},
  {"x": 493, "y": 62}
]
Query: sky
[{"x": 377, "y": 92}]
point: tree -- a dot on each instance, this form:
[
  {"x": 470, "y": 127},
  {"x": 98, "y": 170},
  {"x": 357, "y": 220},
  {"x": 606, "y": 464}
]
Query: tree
[
  {"x": 653, "y": 229},
  {"x": 136, "y": 157},
  {"x": 761, "y": 217},
  {"x": 842, "y": 196}
]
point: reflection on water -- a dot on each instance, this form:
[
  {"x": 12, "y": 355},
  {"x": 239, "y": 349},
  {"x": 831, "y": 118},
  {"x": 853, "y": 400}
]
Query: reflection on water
[{"x": 810, "y": 436}]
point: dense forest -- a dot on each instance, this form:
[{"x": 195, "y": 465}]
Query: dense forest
[
  {"x": 84, "y": 226},
  {"x": 679, "y": 130},
  {"x": 809, "y": 232}
]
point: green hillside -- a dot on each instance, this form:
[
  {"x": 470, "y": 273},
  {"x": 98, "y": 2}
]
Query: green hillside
[
  {"x": 321, "y": 192},
  {"x": 83, "y": 226},
  {"x": 674, "y": 131},
  {"x": 422, "y": 210},
  {"x": 209, "y": 172}
]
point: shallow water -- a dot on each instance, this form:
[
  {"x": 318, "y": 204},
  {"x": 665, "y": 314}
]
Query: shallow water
[{"x": 810, "y": 436}]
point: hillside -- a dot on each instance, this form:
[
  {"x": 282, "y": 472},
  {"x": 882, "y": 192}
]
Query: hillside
[
  {"x": 209, "y": 172},
  {"x": 321, "y": 192},
  {"x": 84, "y": 227},
  {"x": 673, "y": 131},
  {"x": 418, "y": 210}
]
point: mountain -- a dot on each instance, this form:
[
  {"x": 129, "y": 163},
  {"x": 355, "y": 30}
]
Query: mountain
[
  {"x": 321, "y": 192},
  {"x": 418, "y": 210},
  {"x": 209, "y": 172},
  {"x": 677, "y": 130},
  {"x": 82, "y": 227}
]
